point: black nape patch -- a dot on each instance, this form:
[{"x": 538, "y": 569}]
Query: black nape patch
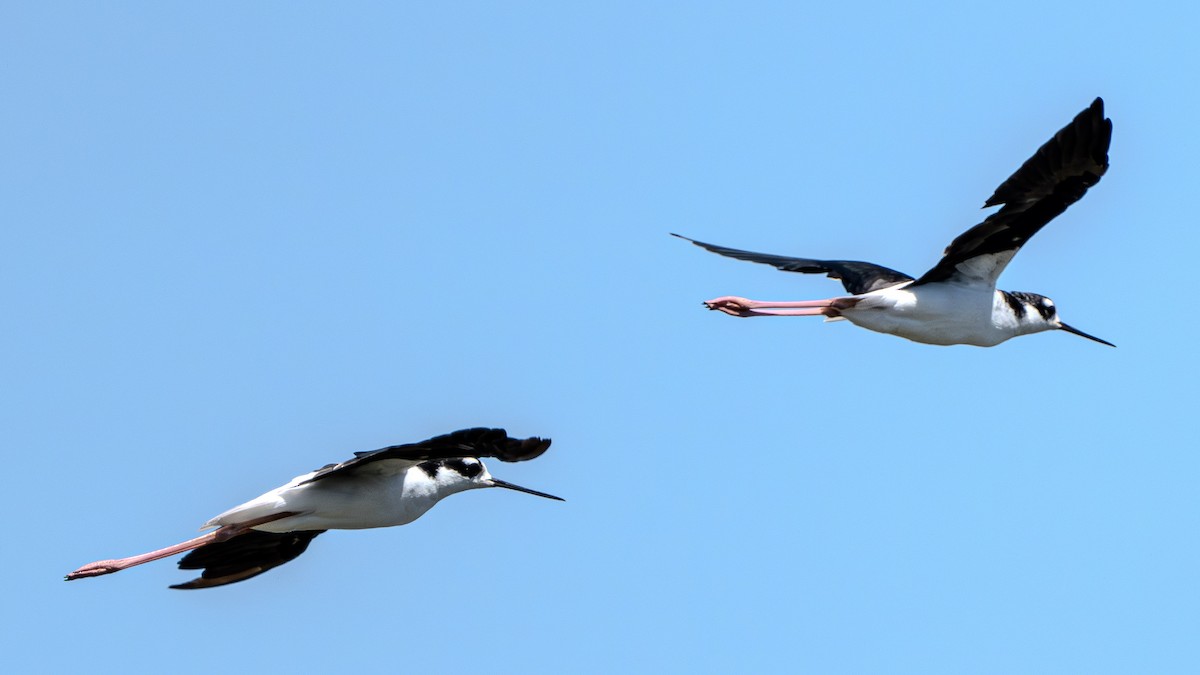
[
  {"x": 1014, "y": 303},
  {"x": 430, "y": 468}
]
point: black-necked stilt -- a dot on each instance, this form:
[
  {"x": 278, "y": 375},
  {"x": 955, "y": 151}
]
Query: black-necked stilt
[
  {"x": 392, "y": 486},
  {"x": 956, "y": 302}
]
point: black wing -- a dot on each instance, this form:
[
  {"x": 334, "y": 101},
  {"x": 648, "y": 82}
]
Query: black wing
[
  {"x": 477, "y": 442},
  {"x": 857, "y": 277},
  {"x": 244, "y": 556},
  {"x": 1057, "y": 176}
]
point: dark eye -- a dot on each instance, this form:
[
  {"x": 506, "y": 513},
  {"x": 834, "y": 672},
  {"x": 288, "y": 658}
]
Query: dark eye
[{"x": 470, "y": 469}]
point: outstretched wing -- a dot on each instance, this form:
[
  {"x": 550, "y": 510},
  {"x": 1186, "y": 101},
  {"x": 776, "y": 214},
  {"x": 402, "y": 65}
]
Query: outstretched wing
[
  {"x": 243, "y": 557},
  {"x": 1057, "y": 176},
  {"x": 857, "y": 277},
  {"x": 477, "y": 442}
]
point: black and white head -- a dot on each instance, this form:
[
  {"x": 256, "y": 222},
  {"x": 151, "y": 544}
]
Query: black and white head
[
  {"x": 1036, "y": 313},
  {"x": 468, "y": 473}
]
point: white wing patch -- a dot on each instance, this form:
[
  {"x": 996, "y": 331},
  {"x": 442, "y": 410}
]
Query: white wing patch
[{"x": 985, "y": 268}]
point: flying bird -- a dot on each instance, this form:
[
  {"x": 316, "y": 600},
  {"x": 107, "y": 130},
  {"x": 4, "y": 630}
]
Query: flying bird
[
  {"x": 386, "y": 487},
  {"x": 956, "y": 301}
]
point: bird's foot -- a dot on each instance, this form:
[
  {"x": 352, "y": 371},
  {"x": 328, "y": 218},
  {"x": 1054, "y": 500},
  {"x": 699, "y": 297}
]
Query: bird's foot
[
  {"x": 731, "y": 305},
  {"x": 98, "y": 568}
]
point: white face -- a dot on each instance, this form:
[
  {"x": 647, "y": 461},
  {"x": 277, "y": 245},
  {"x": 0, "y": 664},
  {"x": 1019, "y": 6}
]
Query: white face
[
  {"x": 466, "y": 471},
  {"x": 483, "y": 478},
  {"x": 1050, "y": 310},
  {"x": 1036, "y": 313}
]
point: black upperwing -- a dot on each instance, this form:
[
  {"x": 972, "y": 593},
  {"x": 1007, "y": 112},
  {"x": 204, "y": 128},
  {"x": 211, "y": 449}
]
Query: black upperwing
[
  {"x": 476, "y": 442},
  {"x": 1057, "y": 175},
  {"x": 857, "y": 277}
]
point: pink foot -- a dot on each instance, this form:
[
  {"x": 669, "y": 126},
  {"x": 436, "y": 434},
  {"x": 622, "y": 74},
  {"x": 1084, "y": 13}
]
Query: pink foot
[
  {"x": 731, "y": 305},
  {"x": 94, "y": 569}
]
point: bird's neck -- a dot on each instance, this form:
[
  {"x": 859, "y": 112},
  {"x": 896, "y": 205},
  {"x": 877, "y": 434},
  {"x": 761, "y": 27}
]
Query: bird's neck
[{"x": 432, "y": 490}]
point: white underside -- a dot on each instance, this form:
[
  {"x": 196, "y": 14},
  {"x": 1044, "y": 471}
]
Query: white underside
[
  {"x": 937, "y": 314},
  {"x": 355, "y": 502}
]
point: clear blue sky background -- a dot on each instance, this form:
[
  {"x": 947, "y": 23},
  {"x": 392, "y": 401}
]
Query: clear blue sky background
[{"x": 240, "y": 242}]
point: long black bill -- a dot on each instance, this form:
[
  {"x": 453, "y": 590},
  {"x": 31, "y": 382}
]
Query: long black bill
[
  {"x": 1080, "y": 333},
  {"x": 496, "y": 482}
]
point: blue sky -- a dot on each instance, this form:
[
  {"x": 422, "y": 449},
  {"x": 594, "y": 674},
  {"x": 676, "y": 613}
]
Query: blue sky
[{"x": 241, "y": 242}]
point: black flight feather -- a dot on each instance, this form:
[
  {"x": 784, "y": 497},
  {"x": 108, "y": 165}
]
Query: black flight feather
[
  {"x": 857, "y": 277},
  {"x": 1056, "y": 176},
  {"x": 477, "y": 442},
  {"x": 244, "y": 556}
]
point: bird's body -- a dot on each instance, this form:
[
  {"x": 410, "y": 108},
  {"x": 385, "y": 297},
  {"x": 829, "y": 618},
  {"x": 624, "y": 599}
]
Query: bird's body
[
  {"x": 942, "y": 314},
  {"x": 384, "y": 488},
  {"x": 379, "y": 500},
  {"x": 945, "y": 314},
  {"x": 956, "y": 301}
]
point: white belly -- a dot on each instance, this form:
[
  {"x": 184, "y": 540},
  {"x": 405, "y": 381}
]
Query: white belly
[
  {"x": 937, "y": 314},
  {"x": 333, "y": 503}
]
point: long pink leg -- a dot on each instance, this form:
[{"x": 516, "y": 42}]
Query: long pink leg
[
  {"x": 824, "y": 311},
  {"x": 735, "y": 306},
  {"x": 222, "y": 533}
]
